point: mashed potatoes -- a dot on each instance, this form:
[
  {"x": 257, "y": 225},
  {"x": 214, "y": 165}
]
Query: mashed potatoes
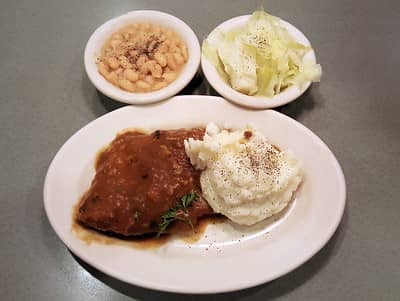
[{"x": 244, "y": 177}]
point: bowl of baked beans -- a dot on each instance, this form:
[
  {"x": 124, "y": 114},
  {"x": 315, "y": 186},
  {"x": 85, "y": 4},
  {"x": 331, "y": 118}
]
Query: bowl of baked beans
[{"x": 142, "y": 57}]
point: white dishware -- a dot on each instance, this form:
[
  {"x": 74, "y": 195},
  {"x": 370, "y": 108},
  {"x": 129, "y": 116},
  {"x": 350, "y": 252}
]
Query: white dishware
[
  {"x": 104, "y": 32},
  {"x": 257, "y": 102},
  {"x": 228, "y": 257}
]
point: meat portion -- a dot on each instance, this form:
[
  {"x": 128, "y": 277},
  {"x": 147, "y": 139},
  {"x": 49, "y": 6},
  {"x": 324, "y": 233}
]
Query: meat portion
[{"x": 139, "y": 177}]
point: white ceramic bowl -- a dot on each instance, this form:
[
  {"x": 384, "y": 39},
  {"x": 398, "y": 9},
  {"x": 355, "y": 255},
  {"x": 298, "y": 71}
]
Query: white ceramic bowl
[
  {"x": 100, "y": 36},
  {"x": 258, "y": 102}
]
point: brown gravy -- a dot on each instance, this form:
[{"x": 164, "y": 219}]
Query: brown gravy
[
  {"x": 90, "y": 236},
  {"x": 139, "y": 177}
]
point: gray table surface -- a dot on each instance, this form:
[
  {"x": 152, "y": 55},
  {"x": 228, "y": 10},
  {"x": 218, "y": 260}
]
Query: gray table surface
[{"x": 45, "y": 97}]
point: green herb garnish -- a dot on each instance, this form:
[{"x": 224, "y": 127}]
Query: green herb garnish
[
  {"x": 188, "y": 199},
  {"x": 180, "y": 212}
]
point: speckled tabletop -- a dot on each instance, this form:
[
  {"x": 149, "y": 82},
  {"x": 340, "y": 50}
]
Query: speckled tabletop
[{"x": 45, "y": 97}]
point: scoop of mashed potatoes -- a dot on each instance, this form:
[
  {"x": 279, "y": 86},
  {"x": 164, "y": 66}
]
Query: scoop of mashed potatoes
[{"x": 243, "y": 176}]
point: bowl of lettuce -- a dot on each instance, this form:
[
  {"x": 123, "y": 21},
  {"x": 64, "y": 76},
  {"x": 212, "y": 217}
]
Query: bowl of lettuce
[{"x": 259, "y": 61}]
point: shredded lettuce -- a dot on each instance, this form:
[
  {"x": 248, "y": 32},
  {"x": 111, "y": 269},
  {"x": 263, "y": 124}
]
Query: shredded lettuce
[{"x": 260, "y": 58}]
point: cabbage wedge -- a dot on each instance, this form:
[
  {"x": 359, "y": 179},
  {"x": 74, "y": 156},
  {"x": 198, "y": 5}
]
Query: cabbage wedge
[{"x": 260, "y": 58}]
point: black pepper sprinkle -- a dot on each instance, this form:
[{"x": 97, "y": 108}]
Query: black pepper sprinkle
[
  {"x": 95, "y": 199},
  {"x": 247, "y": 134},
  {"x": 157, "y": 134},
  {"x": 148, "y": 49}
]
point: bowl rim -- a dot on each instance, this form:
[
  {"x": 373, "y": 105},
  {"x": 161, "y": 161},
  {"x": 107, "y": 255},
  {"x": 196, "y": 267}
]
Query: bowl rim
[
  {"x": 104, "y": 31},
  {"x": 256, "y": 102}
]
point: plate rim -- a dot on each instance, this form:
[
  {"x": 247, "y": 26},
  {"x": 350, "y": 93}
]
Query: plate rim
[{"x": 162, "y": 287}]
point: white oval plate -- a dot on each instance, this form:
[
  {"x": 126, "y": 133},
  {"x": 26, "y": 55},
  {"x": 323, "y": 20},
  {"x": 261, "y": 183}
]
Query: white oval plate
[
  {"x": 256, "y": 102},
  {"x": 228, "y": 257}
]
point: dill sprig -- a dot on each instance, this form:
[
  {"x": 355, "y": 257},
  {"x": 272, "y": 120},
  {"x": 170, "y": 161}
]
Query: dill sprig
[{"x": 179, "y": 212}]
